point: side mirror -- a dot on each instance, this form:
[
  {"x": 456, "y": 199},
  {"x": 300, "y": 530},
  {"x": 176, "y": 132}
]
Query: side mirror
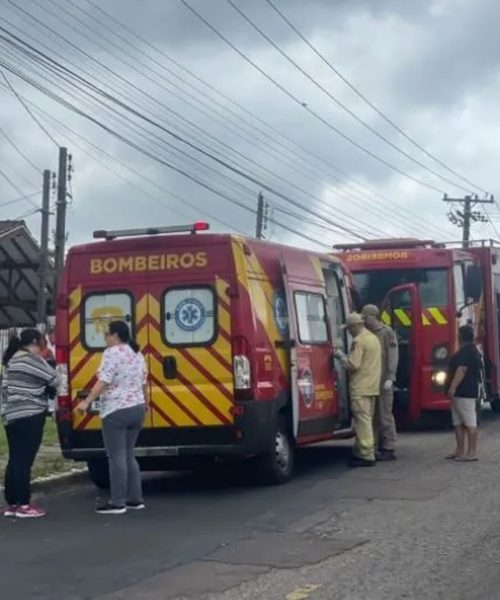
[{"x": 473, "y": 282}]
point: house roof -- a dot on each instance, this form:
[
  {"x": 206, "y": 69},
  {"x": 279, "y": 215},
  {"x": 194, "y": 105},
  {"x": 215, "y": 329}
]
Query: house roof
[{"x": 19, "y": 275}]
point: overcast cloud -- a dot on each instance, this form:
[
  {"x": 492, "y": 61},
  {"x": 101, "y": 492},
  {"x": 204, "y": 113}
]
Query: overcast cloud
[{"x": 433, "y": 66}]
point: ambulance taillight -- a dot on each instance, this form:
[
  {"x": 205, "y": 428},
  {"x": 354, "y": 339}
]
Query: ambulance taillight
[
  {"x": 64, "y": 407},
  {"x": 242, "y": 371}
]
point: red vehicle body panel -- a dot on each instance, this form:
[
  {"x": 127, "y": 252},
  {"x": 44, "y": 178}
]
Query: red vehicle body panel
[{"x": 237, "y": 284}]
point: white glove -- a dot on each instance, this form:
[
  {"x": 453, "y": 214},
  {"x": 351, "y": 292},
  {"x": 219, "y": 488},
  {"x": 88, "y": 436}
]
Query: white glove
[
  {"x": 339, "y": 355},
  {"x": 388, "y": 385}
]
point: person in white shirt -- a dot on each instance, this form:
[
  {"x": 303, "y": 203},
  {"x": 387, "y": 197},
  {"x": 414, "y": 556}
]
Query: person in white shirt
[{"x": 121, "y": 387}]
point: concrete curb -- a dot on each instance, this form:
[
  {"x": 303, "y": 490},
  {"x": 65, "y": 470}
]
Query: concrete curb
[{"x": 60, "y": 481}]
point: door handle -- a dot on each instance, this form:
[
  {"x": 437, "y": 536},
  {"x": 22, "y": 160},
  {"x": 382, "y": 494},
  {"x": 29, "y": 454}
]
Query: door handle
[{"x": 169, "y": 367}]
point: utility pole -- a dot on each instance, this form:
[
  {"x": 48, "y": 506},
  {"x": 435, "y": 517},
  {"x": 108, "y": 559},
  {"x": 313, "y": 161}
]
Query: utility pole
[
  {"x": 44, "y": 250},
  {"x": 464, "y": 218},
  {"x": 259, "y": 229},
  {"x": 61, "y": 204}
]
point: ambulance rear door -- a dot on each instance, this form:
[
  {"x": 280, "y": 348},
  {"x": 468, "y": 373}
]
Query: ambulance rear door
[
  {"x": 108, "y": 297},
  {"x": 189, "y": 352},
  {"x": 314, "y": 401}
]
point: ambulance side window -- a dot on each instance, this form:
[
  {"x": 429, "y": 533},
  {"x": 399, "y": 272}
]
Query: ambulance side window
[
  {"x": 98, "y": 311},
  {"x": 189, "y": 316},
  {"x": 311, "y": 318}
]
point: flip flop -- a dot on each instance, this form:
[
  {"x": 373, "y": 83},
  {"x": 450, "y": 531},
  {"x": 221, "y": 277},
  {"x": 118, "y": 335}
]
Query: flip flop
[
  {"x": 466, "y": 459},
  {"x": 450, "y": 457}
]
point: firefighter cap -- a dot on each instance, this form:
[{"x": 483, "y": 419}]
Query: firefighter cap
[
  {"x": 354, "y": 319},
  {"x": 370, "y": 310}
]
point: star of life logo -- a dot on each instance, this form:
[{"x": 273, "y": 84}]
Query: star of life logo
[{"x": 190, "y": 314}]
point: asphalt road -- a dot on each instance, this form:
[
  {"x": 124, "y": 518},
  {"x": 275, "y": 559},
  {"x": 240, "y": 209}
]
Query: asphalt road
[{"x": 419, "y": 528}]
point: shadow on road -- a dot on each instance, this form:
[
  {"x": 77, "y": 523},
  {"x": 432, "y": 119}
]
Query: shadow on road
[{"x": 311, "y": 463}]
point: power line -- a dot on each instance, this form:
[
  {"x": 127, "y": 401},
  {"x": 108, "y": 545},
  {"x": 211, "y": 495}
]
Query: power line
[
  {"x": 339, "y": 211},
  {"x": 142, "y": 116},
  {"x": 13, "y": 90},
  {"x": 18, "y": 150},
  {"x": 302, "y": 104},
  {"x": 20, "y": 199},
  {"x": 268, "y": 126},
  {"x": 58, "y": 125},
  {"x": 338, "y": 102},
  {"x": 369, "y": 102},
  {"x": 156, "y": 158}
]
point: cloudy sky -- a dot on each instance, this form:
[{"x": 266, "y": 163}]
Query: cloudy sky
[{"x": 151, "y": 69}]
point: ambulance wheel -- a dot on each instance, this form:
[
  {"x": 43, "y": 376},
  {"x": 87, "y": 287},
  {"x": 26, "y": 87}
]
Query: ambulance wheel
[
  {"x": 495, "y": 405},
  {"x": 99, "y": 473},
  {"x": 276, "y": 466}
]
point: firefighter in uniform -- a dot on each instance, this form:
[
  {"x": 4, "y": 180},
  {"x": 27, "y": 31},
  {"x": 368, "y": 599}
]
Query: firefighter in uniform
[
  {"x": 364, "y": 365},
  {"x": 384, "y": 424}
]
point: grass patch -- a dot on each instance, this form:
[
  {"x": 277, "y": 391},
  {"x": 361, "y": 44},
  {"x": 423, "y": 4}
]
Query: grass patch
[{"x": 49, "y": 460}]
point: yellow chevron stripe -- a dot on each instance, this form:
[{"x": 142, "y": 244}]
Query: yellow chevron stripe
[
  {"x": 402, "y": 316},
  {"x": 438, "y": 316},
  {"x": 386, "y": 318},
  {"x": 425, "y": 320},
  {"x": 184, "y": 397},
  {"x": 141, "y": 309},
  {"x": 75, "y": 298},
  {"x": 192, "y": 374},
  {"x": 74, "y": 329},
  {"x": 261, "y": 293}
]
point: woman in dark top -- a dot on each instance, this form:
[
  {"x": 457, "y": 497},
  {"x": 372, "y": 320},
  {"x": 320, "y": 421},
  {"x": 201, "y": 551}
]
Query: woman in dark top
[{"x": 464, "y": 377}]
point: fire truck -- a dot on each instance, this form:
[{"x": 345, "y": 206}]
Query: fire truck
[
  {"x": 238, "y": 335},
  {"x": 425, "y": 291}
]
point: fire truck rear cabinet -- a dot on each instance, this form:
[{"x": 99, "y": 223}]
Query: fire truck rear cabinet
[
  {"x": 425, "y": 292},
  {"x": 230, "y": 376}
]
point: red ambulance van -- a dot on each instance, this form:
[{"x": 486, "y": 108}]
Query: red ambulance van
[{"x": 238, "y": 335}]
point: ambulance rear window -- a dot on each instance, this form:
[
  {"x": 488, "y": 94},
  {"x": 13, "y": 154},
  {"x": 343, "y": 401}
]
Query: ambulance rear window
[
  {"x": 99, "y": 310},
  {"x": 189, "y": 316}
]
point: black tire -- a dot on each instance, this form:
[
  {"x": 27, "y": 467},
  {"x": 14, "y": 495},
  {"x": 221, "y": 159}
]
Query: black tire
[
  {"x": 495, "y": 405},
  {"x": 276, "y": 466},
  {"x": 99, "y": 472}
]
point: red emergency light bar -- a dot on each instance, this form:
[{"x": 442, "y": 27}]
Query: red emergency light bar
[
  {"x": 112, "y": 235},
  {"x": 389, "y": 244}
]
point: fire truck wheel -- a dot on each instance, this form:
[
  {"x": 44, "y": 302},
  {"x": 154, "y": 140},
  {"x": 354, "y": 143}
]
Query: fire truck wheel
[
  {"x": 99, "y": 472},
  {"x": 495, "y": 405},
  {"x": 276, "y": 466}
]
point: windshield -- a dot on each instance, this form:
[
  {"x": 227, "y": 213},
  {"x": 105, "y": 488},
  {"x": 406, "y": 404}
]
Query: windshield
[{"x": 372, "y": 286}]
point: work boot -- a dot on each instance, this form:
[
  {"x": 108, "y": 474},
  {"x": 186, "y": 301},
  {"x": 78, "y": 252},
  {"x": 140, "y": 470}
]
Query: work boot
[
  {"x": 386, "y": 455},
  {"x": 361, "y": 462}
]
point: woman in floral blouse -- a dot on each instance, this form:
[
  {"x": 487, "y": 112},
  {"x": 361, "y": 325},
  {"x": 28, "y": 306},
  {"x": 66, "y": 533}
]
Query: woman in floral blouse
[{"x": 121, "y": 387}]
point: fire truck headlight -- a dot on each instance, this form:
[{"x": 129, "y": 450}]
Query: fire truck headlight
[
  {"x": 440, "y": 353},
  {"x": 439, "y": 378}
]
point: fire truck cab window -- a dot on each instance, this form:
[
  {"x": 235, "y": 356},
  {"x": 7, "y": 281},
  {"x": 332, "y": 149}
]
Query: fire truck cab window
[
  {"x": 311, "y": 318},
  {"x": 189, "y": 316},
  {"x": 98, "y": 311},
  {"x": 432, "y": 284},
  {"x": 458, "y": 276}
]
